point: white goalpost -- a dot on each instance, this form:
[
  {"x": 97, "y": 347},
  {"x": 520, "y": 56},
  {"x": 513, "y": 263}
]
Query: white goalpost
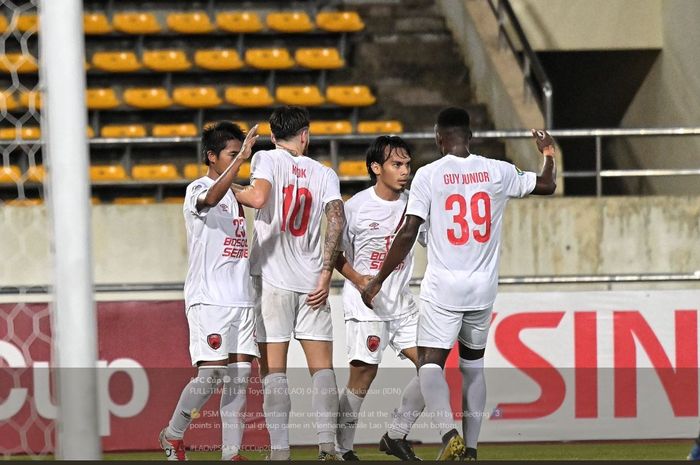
[{"x": 65, "y": 151}]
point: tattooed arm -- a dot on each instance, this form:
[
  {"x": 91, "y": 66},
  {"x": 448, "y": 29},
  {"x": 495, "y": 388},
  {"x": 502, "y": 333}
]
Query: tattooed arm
[{"x": 335, "y": 216}]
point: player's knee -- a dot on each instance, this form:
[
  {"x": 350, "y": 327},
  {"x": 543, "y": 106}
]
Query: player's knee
[{"x": 470, "y": 354}]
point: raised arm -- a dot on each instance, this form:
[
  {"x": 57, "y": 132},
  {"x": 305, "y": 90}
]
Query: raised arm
[
  {"x": 403, "y": 242},
  {"x": 254, "y": 195},
  {"x": 335, "y": 218},
  {"x": 546, "y": 181}
]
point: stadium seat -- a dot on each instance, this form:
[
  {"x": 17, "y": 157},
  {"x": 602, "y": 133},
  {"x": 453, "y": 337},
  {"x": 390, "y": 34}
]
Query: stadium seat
[
  {"x": 264, "y": 128},
  {"x": 379, "y": 127},
  {"x": 136, "y": 23},
  {"x": 18, "y": 62},
  {"x": 147, "y": 98},
  {"x": 24, "y": 202},
  {"x": 352, "y": 168},
  {"x": 134, "y": 200},
  {"x": 289, "y": 21},
  {"x": 269, "y": 58},
  {"x": 166, "y": 60},
  {"x": 123, "y": 130},
  {"x": 239, "y": 22},
  {"x": 30, "y": 99},
  {"x": 350, "y": 96},
  {"x": 173, "y": 200},
  {"x": 8, "y": 101},
  {"x": 90, "y": 132},
  {"x": 174, "y": 130},
  {"x": 248, "y": 96},
  {"x": 243, "y": 125},
  {"x": 196, "y": 97},
  {"x": 116, "y": 62},
  {"x": 218, "y": 60},
  {"x": 26, "y": 133},
  {"x": 36, "y": 173},
  {"x": 195, "y": 170},
  {"x": 27, "y": 22},
  {"x": 319, "y": 58},
  {"x": 96, "y": 24},
  {"x": 190, "y": 22},
  {"x": 3, "y": 24},
  {"x": 244, "y": 171},
  {"x": 330, "y": 127},
  {"x": 299, "y": 95},
  {"x": 155, "y": 172},
  {"x": 339, "y": 21},
  {"x": 107, "y": 173},
  {"x": 102, "y": 99},
  {"x": 9, "y": 174}
]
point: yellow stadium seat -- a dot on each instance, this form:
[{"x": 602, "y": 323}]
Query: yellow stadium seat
[
  {"x": 9, "y": 174},
  {"x": 248, "y": 96},
  {"x": 339, "y": 21},
  {"x": 191, "y": 22},
  {"x": 24, "y": 202},
  {"x": 330, "y": 127},
  {"x": 174, "y": 130},
  {"x": 239, "y": 22},
  {"x": 90, "y": 132},
  {"x": 244, "y": 171},
  {"x": 8, "y": 101},
  {"x": 352, "y": 168},
  {"x": 18, "y": 62},
  {"x": 134, "y": 200},
  {"x": 166, "y": 60},
  {"x": 102, "y": 99},
  {"x": 26, "y": 133},
  {"x": 264, "y": 128},
  {"x": 136, "y": 23},
  {"x": 123, "y": 130},
  {"x": 380, "y": 127},
  {"x": 7, "y": 133},
  {"x": 243, "y": 125},
  {"x": 3, "y": 24},
  {"x": 36, "y": 173},
  {"x": 269, "y": 58},
  {"x": 30, "y": 99},
  {"x": 116, "y": 62},
  {"x": 27, "y": 22},
  {"x": 319, "y": 58},
  {"x": 350, "y": 96},
  {"x": 195, "y": 170},
  {"x": 107, "y": 173},
  {"x": 299, "y": 95},
  {"x": 155, "y": 172},
  {"x": 289, "y": 21},
  {"x": 218, "y": 60},
  {"x": 96, "y": 24},
  {"x": 148, "y": 98},
  {"x": 196, "y": 97},
  {"x": 173, "y": 200}
]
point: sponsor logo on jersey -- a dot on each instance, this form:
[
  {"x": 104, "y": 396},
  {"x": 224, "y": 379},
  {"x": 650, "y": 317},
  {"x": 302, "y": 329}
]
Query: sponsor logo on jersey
[
  {"x": 374, "y": 226},
  {"x": 373, "y": 343},
  {"x": 520, "y": 172},
  {"x": 214, "y": 341}
]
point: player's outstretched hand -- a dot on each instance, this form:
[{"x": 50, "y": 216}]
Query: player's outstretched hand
[
  {"x": 248, "y": 143},
  {"x": 545, "y": 142},
  {"x": 361, "y": 284},
  {"x": 370, "y": 292}
]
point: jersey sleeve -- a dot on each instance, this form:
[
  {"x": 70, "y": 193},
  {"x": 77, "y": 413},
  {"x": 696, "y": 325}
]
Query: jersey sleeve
[
  {"x": 423, "y": 234},
  {"x": 419, "y": 196},
  {"x": 332, "y": 188},
  {"x": 516, "y": 183},
  {"x": 194, "y": 191},
  {"x": 262, "y": 167}
]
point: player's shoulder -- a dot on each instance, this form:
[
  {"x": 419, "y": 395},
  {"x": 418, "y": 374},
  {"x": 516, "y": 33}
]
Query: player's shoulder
[
  {"x": 359, "y": 199},
  {"x": 200, "y": 183}
]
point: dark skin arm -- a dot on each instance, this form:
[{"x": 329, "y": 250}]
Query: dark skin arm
[
  {"x": 546, "y": 181},
  {"x": 335, "y": 216},
  {"x": 403, "y": 242}
]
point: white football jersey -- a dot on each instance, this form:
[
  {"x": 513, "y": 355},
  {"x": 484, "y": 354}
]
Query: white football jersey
[
  {"x": 286, "y": 247},
  {"x": 218, "y": 266},
  {"x": 372, "y": 224},
  {"x": 462, "y": 201}
]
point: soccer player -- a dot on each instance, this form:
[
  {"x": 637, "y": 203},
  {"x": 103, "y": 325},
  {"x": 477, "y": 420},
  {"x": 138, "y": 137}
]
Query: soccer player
[
  {"x": 374, "y": 216},
  {"x": 218, "y": 293},
  {"x": 461, "y": 197},
  {"x": 292, "y": 192}
]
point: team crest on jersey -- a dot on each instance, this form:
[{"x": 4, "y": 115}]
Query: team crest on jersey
[
  {"x": 373, "y": 343},
  {"x": 374, "y": 226},
  {"x": 214, "y": 341},
  {"x": 520, "y": 172}
]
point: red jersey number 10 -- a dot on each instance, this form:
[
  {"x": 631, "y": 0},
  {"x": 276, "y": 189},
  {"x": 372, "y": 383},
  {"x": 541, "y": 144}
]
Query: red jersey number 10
[
  {"x": 459, "y": 235},
  {"x": 302, "y": 204}
]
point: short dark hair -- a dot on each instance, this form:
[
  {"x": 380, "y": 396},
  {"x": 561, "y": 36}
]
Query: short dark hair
[
  {"x": 215, "y": 136},
  {"x": 456, "y": 120},
  {"x": 286, "y": 122},
  {"x": 376, "y": 151}
]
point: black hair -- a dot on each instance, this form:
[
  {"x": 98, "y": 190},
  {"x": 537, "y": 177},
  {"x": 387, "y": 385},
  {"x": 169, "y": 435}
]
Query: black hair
[
  {"x": 215, "y": 136},
  {"x": 455, "y": 120},
  {"x": 376, "y": 151},
  {"x": 286, "y": 122}
]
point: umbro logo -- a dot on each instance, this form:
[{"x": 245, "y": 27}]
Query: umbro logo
[
  {"x": 223, "y": 207},
  {"x": 374, "y": 226}
]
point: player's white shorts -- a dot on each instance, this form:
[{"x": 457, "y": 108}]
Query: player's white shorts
[
  {"x": 440, "y": 328},
  {"x": 281, "y": 314},
  {"x": 366, "y": 340},
  {"x": 218, "y": 331}
]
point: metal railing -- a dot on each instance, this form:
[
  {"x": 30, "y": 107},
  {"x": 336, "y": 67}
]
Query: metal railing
[{"x": 535, "y": 78}]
